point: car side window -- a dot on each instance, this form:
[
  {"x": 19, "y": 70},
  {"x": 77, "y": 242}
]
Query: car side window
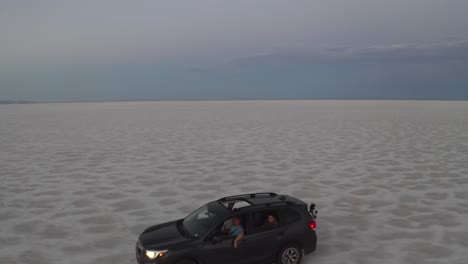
[
  {"x": 203, "y": 214},
  {"x": 224, "y": 229},
  {"x": 288, "y": 216},
  {"x": 265, "y": 221}
]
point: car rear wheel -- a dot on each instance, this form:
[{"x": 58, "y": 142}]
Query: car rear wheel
[{"x": 290, "y": 254}]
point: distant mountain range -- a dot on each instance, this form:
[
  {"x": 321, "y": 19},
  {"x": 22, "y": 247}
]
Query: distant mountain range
[{"x": 15, "y": 102}]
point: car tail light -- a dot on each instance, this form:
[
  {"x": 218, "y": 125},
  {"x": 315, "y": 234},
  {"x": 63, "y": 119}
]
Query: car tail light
[{"x": 312, "y": 225}]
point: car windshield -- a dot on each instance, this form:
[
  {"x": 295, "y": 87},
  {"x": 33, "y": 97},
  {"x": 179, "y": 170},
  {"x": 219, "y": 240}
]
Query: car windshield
[{"x": 199, "y": 222}]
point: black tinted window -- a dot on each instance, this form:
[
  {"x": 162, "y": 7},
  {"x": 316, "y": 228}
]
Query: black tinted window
[{"x": 287, "y": 216}]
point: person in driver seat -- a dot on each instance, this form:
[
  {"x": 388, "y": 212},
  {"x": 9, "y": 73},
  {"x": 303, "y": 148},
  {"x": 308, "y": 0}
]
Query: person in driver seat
[{"x": 236, "y": 231}]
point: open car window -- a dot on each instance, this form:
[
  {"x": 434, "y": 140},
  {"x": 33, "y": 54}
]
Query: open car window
[
  {"x": 283, "y": 216},
  {"x": 223, "y": 228},
  {"x": 260, "y": 221}
]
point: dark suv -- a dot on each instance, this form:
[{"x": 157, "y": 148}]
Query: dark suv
[{"x": 199, "y": 238}]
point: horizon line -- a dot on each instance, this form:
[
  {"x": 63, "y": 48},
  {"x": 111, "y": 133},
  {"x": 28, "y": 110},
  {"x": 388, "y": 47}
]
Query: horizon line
[{"x": 6, "y": 102}]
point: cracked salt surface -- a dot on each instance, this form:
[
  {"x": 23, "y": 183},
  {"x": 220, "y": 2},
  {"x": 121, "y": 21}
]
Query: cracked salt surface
[{"x": 80, "y": 181}]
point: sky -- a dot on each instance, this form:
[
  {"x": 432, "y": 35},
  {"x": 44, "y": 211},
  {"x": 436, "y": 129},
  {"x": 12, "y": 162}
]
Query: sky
[{"x": 103, "y": 50}]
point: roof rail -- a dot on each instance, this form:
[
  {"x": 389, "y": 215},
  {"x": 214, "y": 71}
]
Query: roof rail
[
  {"x": 265, "y": 205},
  {"x": 247, "y": 196}
]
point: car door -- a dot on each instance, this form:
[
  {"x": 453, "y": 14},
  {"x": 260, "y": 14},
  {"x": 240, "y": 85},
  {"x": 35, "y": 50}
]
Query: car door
[
  {"x": 258, "y": 245},
  {"x": 216, "y": 252},
  {"x": 219, "y": 252}
]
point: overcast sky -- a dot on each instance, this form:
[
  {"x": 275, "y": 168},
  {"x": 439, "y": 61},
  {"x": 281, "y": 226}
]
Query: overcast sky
[{"x": 244, "y": 49}]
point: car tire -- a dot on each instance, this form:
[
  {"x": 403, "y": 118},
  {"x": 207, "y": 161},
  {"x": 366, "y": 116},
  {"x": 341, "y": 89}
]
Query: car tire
[{"x": 289, "y": 254}]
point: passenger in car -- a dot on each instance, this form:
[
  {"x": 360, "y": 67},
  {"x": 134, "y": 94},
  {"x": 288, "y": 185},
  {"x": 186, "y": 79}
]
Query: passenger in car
[{"x": 271, "y": 222}]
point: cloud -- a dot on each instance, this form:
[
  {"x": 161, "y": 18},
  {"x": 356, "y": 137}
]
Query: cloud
[
  {"x": 450, "y": 51},
  {"x": 409, "y": 71},
  {"x": 455, "y": 51}
]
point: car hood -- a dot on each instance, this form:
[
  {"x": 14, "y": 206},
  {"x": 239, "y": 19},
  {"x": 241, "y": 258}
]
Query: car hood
[{"x": 162, "y": 236}]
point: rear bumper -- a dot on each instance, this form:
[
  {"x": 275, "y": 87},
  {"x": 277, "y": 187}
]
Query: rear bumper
[{"x": 310, "y": 243}]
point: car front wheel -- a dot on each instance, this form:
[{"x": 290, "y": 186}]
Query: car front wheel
[{"x": 291, "y": 254}]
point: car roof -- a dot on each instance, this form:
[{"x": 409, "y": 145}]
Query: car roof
[{"x": 254, "y": 201}]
